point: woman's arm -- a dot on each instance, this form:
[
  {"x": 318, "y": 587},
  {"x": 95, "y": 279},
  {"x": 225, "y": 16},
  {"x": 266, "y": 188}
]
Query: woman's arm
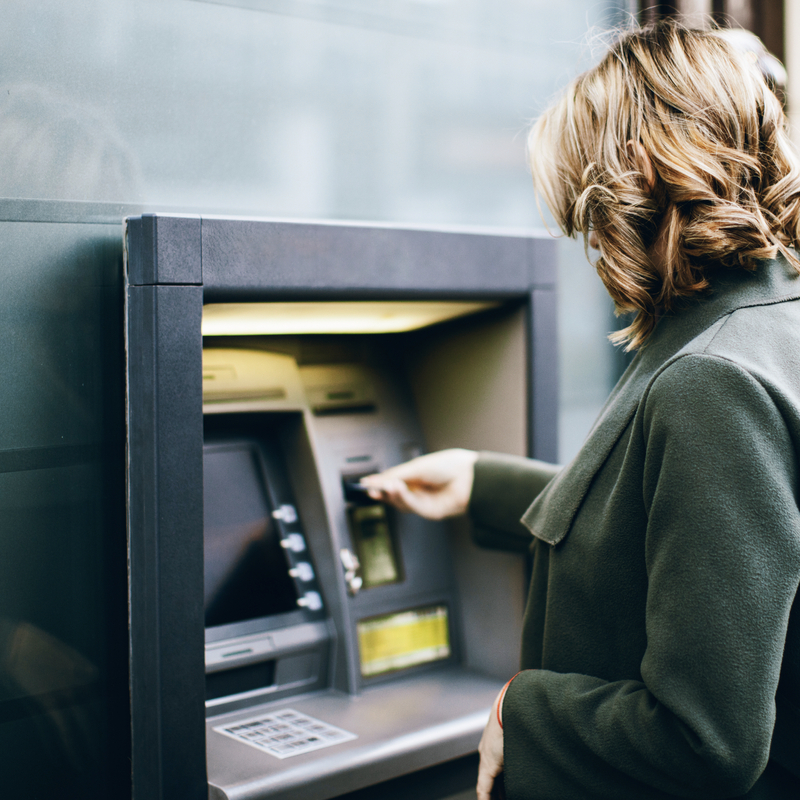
[
  {"x": 494, "y": 489},
  {"x": 721, "y": 547},
  {"x": 504, "y": 486},
  {"x": 435, "y": 486}
]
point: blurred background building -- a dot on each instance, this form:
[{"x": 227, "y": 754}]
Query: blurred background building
[{"x": 408, "y": 111}]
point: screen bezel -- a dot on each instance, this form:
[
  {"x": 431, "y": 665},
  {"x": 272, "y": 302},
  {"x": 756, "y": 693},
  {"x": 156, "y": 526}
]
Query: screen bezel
[{"x": 226, "y": 432}]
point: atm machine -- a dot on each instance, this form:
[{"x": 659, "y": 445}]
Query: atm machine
[{"x": 290, "y": 637}]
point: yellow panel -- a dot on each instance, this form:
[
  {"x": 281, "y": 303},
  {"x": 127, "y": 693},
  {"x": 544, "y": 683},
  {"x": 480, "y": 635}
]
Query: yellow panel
[{"x": 403, "y": 640}]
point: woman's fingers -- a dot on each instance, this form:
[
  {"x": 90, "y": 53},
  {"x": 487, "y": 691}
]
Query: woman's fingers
[
  {"x": 432, "y": 470},
  {"x": 393, "y": 491},
  {"x": 435, "y": 486},
  {"x": 485, "y": 786},
  {"x": 429, "y": 503}
]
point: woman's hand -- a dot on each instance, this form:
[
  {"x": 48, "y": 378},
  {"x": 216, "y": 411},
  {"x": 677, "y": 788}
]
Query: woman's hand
[
  {"x": 435, "y": 486},
  {"x": 490, "y": 781}
]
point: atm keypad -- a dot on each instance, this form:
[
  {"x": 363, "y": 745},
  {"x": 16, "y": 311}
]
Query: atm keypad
[{"x": 286, "y": 733}]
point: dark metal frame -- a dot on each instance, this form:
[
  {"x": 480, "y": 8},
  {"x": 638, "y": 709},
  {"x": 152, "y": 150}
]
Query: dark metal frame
[{"x": 174, "y": 264}]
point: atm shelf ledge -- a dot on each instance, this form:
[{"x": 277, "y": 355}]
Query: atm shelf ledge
[{"x": 401, "y": 727}]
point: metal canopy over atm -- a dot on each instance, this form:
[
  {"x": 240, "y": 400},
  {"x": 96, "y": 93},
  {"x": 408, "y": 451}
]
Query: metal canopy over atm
[{"x": 291, "y": 638}]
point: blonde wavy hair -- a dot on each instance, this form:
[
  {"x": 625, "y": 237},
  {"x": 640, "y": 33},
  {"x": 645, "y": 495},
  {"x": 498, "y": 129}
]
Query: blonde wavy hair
[{"x": 723, "y": 188}]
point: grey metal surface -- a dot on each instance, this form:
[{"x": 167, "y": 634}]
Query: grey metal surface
[
  {"x": 165, "y": 250},
  {"x": 404, "y": 726},
  {"x": 543, "y": 375},
  {"x": 378, "y": 440},
  {"x": 249, "y": 257},
  {"x": 470, "y": 387},
  {"x": 275, "y": 643},
  {"x": 165, "y": 523}
]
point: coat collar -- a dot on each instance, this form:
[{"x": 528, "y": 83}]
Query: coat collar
[{"x": 550, "y": 516}]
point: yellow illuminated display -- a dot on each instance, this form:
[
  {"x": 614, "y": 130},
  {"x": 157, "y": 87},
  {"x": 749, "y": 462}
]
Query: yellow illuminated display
[
  {"x": 356, "y": 316},
  {"x": 403, "y": 640},
  {"x": 375, "y": 544}
]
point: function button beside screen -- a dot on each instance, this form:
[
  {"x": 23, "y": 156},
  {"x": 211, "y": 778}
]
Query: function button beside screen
[
  {"x": 285, "y": 513},
  {"x": 294, "y": 542},
  {"x": 303, "y": 571},
  {"x": 310, "y": 600}
]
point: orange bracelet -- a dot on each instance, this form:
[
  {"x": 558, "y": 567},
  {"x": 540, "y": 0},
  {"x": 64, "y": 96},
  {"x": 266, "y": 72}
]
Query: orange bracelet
[{"x": 500, "y": 699}]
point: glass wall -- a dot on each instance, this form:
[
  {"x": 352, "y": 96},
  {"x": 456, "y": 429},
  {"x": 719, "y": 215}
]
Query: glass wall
[
  {"x": 365, "y": 109},
  {"x": 401, "y": 110}
]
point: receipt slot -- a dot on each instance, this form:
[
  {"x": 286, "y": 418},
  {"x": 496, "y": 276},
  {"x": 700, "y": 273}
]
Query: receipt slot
[{"x": 290, "y": 637}]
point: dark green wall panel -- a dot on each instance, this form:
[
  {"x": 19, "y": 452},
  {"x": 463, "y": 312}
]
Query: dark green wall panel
[
  {"x": 55, "y": 296},
  {"x": 64, "y": 723}
]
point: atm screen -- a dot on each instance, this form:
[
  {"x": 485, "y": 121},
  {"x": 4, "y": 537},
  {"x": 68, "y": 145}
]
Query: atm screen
[{"x": 246, "y": 572}]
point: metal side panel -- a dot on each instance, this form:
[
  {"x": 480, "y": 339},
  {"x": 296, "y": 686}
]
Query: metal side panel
[
  {"x": 543, "y": 375},
  {"x": 164, "y": 250},
  {"x": 165, "y": 530},
  {"x": 242, "y": 258},
  {"x": 401, "y": 727}
]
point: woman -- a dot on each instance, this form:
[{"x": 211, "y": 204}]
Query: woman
[{"x": 659, "y": 659}]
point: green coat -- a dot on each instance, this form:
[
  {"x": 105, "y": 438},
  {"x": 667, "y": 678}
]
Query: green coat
[{"x": 666, "y": 558}]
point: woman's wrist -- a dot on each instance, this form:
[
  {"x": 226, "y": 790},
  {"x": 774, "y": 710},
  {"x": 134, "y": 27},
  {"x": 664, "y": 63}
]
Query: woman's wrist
[{"x": 500, "y": 700}]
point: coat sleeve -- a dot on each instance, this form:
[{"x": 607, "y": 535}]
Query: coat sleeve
[
  {"x": 503, "y": 488},
  {"x": 722, "y": 553}
]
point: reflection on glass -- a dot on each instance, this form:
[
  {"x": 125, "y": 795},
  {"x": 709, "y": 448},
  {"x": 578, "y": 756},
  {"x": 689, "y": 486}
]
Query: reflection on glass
[
  {"x": 394, "y": 110},
  {"x": 57, "y": 148},
  {"x": 49, "y": 682}
]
